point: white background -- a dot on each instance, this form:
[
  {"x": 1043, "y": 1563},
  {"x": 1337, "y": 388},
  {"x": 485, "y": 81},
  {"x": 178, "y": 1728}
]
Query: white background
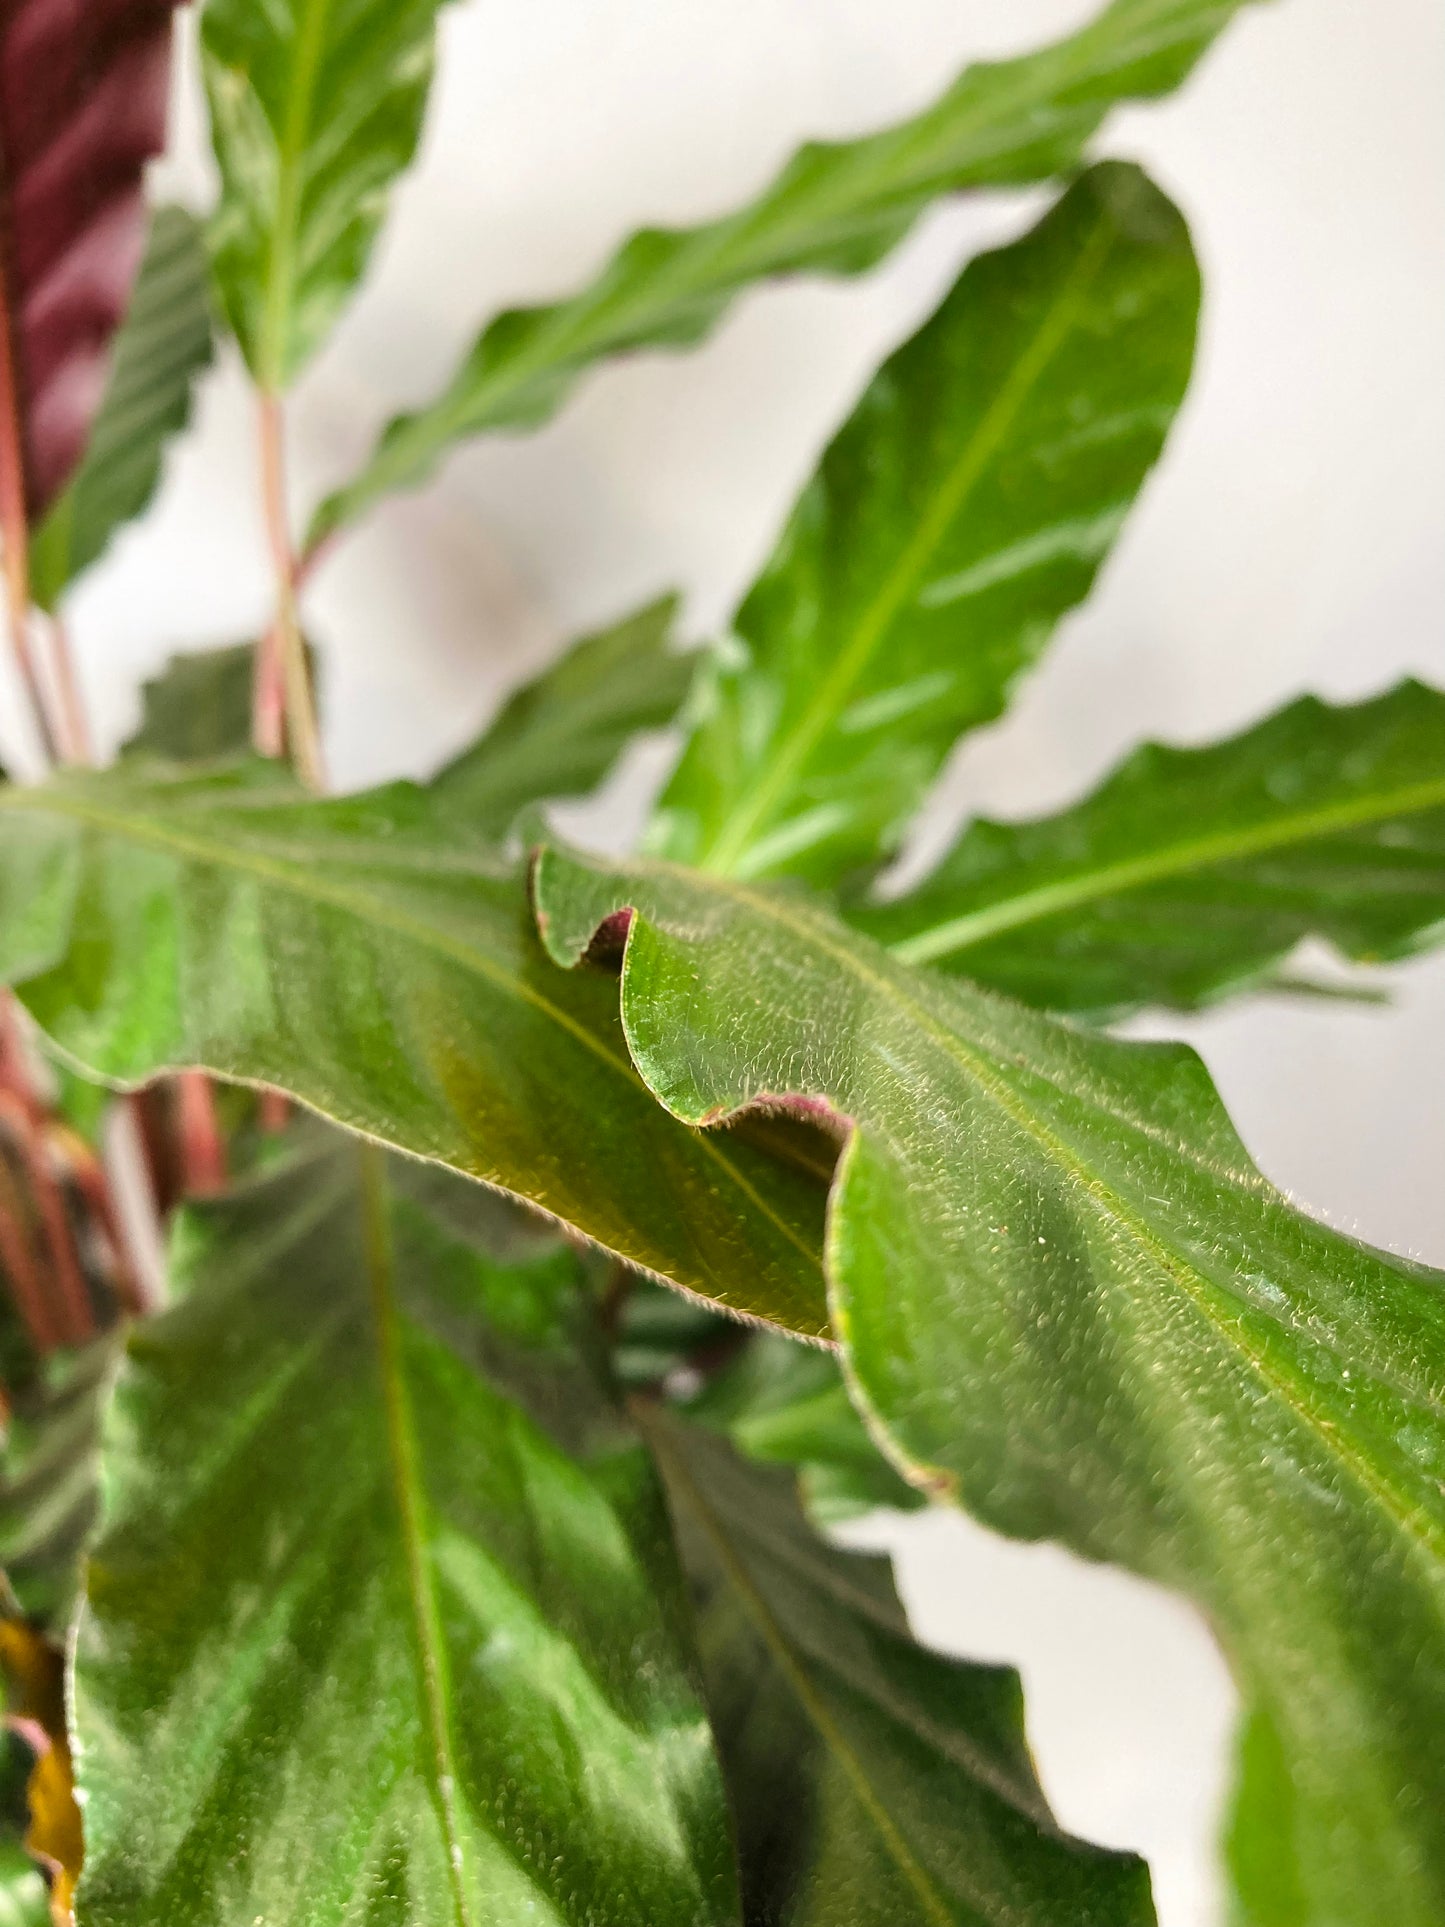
[{"x": 1291, "y": 539}]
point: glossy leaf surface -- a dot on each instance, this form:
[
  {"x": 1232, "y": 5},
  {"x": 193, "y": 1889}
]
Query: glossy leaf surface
[
  {"x": 561, "y": 734},
  {"x": 1191, "y": 872},
  {"x": 1071, "y": 1300},
  {"x": 161, "y": 347},
  {"x": 874, "y": 1783},
  {"x": 362, "y": 956},
  {"x": 316, "y": 107},
  {"x": 835, "y": 209},
  {"x": 83, "y": 94},
  {"x": 964, "y": 508},
  {"x": 385, "y": 1623}
]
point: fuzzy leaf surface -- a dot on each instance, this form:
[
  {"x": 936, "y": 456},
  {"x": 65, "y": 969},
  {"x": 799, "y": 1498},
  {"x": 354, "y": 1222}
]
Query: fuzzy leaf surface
[
  {"x": 362, "y": 956},
  {"x": 1192, "y": 872},
  {"x": 874, "y": 1783},
  {"x": 83, "y": 93},
  {"x": 161, "y": 348},
  {"x": 963, "y": 509},
  {"x": 316, "y": 108},
  {"x": 1069, "y": 1298},
  {"x": 835, "y": 209},
  {"x": 561, "y": 734},
  {"x": 385, "y": 1622}
]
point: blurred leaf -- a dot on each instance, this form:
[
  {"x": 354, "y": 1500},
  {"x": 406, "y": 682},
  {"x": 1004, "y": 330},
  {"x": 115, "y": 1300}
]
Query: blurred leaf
[
  {"x": 385, "y": 1612},
  {"x": 161, "y": 347},
  {"x": 198, "y": 710},
  {"x": 1069, "y": 1299},
  {"x": 316, "y": 108},
  {"x": 360, "y": 956},
  {"x": 1271, "y": 1889},
  {"x": 561, "y": 734},
  {"x": 834, "y": 209},
  {"x": 778, "y": 1401},
  {"x": 660, "y": 1332},
  {"x": 786, "y": 1404},
  {"x": 83, "y": 94},
  {"x": 34, "y": 1671},
  {"x": 79, "y": 1102},
  {"x": 965, "y": 507},
  {"x": 873, "y": 1782},
  {"x": 24, "y": 1898},
  {"x": 48, "y": 1480},
  {"x": 1192, "y": 872}
]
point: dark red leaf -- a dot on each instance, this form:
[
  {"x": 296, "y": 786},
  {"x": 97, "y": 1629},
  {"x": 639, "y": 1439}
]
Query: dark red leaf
[{"x": 83, "y": 91}]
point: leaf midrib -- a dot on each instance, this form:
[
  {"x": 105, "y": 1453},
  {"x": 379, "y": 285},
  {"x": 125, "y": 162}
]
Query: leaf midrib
[
  {"x": 281, "y": 266},
  {"x": 776, "y": 1640},
  {"x": 731, "y": 841},
  {"x": 308, "y": 885},
  {"x": 406, "y": 1479},
  {"x": 1133, "y": 873},
  {"x": 1423, "y": 1533}
]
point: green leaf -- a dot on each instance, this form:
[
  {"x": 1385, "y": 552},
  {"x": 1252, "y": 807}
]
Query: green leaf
[
  {"x": 965, "y": 507},
  {"x": 364, "y": 957},
  {"x": 1069, "y": 1298},
  {"x": 78, "y": 1101},
  {"x": 24, "y": 1901},
  {"x": 1193, "y": 872},
  {"x": 873, "y": 1782},
  {"x": 658, "y": 1333},
  {"x": 561, "y": 734},
  {"x": 778, "y": 1401},
  {"x": 198, "y": 710},
  {"x": 163, "y": 345},
  {"x": 385, "y": 1623},
  {"x": 783, "y": 1403},
  {"x": 48, "y": 1481},
  {"x": 316, "y": 108},
  {"x": 835, "y": 209},
  {"x": 1260, "y": 1839}
]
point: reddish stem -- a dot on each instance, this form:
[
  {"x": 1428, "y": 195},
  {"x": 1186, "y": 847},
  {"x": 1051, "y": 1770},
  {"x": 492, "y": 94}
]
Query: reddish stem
[
  {"x": 203, "y": 1145},
  {"x": 75, "y": 735},
  {"x": 281, "y": 659},
  {"x": 73, "y": 1308},
  {"x": 23, "y": 1116},
  {"x": 14, "y": 1063},
  {"x": 268, "y": 687},
  {"x": 14, "y": 527},
  {"x": 22, "y": 1269},
  {"x": 268, "y": 697},
  {"x": 84, "y": 1169}
]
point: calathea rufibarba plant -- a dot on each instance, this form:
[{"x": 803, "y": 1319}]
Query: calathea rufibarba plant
[{"x": 555, "y": 1246}]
